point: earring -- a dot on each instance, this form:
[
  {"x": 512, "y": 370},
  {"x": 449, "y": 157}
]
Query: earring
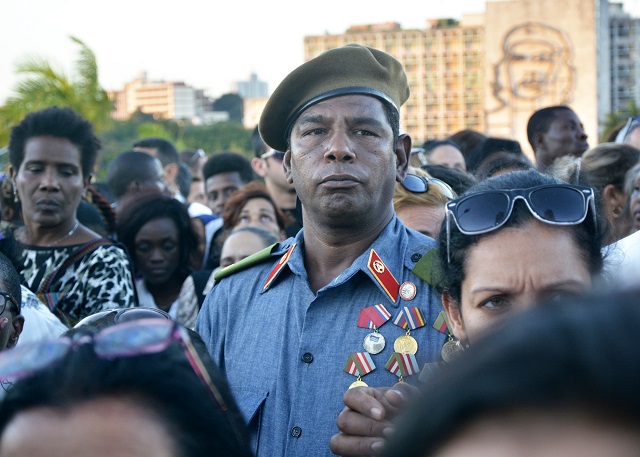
[
  {"x": 16, "y": 197},
  {"x": 617, "y": 211}
]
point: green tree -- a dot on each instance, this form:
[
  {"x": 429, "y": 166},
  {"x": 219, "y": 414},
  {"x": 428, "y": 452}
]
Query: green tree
[
  {"x": 616, "y": 120},
  {"x": 44, "y": 86},
  {"x": 232, "y": 104}
]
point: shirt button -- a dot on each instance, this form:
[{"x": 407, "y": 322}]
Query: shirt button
[
  {"x": 296, "y": 432},
  {"x": 307, "y": 357},
  {"x": 415, "y": 257}
]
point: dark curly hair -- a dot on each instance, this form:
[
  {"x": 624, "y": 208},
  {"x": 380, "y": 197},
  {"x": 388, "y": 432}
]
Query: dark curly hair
[
  {"x": 149, "y": 206},
  {"x": 57, "y": 122},
  {"x": 587, "y": 235}
]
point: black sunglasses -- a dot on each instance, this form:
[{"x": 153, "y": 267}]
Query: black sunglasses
[
  {"x": 420, "y": 184},
  {"x": 556, "y": 204}
]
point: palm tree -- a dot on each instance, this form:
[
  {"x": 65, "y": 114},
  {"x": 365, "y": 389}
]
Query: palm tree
[{"x": 44, "y": 86}]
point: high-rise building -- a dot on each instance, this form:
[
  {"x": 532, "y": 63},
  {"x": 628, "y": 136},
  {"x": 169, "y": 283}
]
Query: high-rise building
[
  {"x": 444, "y": 65},
  {"x": 625, "y": 58},
  {"x": 254, "y": 88},
  {"x": 164, "y": 100},
  {"x": 490, "y": 72}
]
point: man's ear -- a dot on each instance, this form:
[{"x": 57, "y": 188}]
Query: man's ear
[
  {"x": 259, "y": 166},
  {"x": 452, "y": 308},
  {"x": 403, "y": 155},
  {"x": 538, "y": 141},
  {"x": 87, "y": 181},
  {"x": 286, "y": 163},
  {"x": 17, "y": 324}
]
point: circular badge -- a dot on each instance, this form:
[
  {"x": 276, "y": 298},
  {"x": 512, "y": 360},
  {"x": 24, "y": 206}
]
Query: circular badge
[
  {"x": 405, "y": 344},
  {"x": 374, "y": 343},
  {"x": 408, "y": 290},
  {"x": 450, "y": 350}
]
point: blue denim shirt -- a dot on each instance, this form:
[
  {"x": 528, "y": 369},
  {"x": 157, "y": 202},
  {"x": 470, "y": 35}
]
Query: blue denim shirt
[{"x": 283, "y": 349}]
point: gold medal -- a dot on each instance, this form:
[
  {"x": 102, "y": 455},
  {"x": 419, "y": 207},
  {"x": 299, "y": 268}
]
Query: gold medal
[
  {"x": 358, "y": 383},
  {"x": 374, "y": 343},
  {"x": 451, "y": 349},
  {"x": 405, "y": 344}
]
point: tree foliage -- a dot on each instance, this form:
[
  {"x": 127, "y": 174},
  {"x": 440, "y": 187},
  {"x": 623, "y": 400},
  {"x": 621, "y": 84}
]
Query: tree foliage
[
  {"x": 42, "y": 85},
  {"x": 231, "y": 103}
]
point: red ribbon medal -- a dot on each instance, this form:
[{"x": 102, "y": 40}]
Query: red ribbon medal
[{"x": 373, "y": 317}]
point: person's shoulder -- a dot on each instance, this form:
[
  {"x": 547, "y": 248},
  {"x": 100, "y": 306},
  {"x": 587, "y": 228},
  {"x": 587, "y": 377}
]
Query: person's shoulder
[{"x": 253, "y": 260}]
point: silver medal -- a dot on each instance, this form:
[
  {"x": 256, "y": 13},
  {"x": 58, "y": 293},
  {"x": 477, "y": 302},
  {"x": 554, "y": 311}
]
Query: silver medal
[{"x": 374, "y": 343}]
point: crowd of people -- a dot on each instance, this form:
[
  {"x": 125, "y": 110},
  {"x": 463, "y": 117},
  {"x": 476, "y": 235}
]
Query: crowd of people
[{"x": 342, "y": 291}]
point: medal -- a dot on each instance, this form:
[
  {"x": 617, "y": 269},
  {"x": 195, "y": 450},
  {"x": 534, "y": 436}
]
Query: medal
[
  {"x": 408, "y": 318},
  {"x": 373, "y": 317},
  {"x": 451, "y": 350},
  {"x": 359, "y": 364},
  {"x": 407, "y": 290},
  {"x": 405, "y": 344},
  {"x": 402, "y": 365},
  {"x": 358, "y": 383},
  {"x": 374, "y": 343}
]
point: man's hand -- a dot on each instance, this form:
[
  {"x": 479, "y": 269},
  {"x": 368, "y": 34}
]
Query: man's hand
[{"x": 366, "y": 419}]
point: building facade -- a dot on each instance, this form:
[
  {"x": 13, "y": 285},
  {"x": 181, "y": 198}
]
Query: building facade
[
  {"x": 163, "y": 100},
  {"x": 625, "y": 58},
  {"x": 490, "y": 72},
  {"x": 444, "y": 65}
]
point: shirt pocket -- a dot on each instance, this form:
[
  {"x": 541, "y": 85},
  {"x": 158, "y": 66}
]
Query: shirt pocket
[{"x": 250, "y": 402}]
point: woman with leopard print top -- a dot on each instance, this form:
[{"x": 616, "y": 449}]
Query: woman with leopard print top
[{"x": 73, "y": 269}]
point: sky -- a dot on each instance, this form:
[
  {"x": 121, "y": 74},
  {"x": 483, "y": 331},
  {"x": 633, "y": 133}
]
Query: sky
[{"x": 206, "y": 44}]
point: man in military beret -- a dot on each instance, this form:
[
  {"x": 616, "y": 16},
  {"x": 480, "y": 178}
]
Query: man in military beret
[{"x": 342, "y": 304}]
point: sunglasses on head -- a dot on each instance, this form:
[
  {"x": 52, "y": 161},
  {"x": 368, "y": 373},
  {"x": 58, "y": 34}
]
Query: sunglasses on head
[
  {"x": 122, "y": 315},
  {"x": 482, "y": 212},
  {"x": 420, "y": 184},
  {"x": 278, "y": 155},
  {"x": 130, "y": 339},
  {"x": 196, "y": 155}
]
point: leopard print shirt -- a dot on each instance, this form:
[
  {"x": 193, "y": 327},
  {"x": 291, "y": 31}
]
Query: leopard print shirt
[{"x": 100, "y": 280}]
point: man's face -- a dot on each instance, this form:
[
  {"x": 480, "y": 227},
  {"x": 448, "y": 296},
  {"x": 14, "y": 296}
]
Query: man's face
[
  {"x": 343, "y": 161},
  {"x": 220, "y": 187},
  {"x": 565, "y": 137}
]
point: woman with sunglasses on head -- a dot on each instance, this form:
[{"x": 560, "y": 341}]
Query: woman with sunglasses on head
[
  {"x": 142, "y": 388},
  {"x": 419, "y": 201},
  {"x": 512, "y": 241},
  {"x": 497, "y": 258}
]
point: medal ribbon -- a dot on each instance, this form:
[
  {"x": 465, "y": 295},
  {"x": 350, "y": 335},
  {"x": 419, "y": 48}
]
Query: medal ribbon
[
  {"x": 373, "y": 316},
  {"x": 402, "y": 364},
  {"x": 359, "y": 364},
  {"x": 409, "y": 317},
  {"x": 442, "y": 323}
]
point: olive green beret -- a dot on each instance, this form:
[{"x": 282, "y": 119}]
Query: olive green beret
[{"x": 350, "y": 69}]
